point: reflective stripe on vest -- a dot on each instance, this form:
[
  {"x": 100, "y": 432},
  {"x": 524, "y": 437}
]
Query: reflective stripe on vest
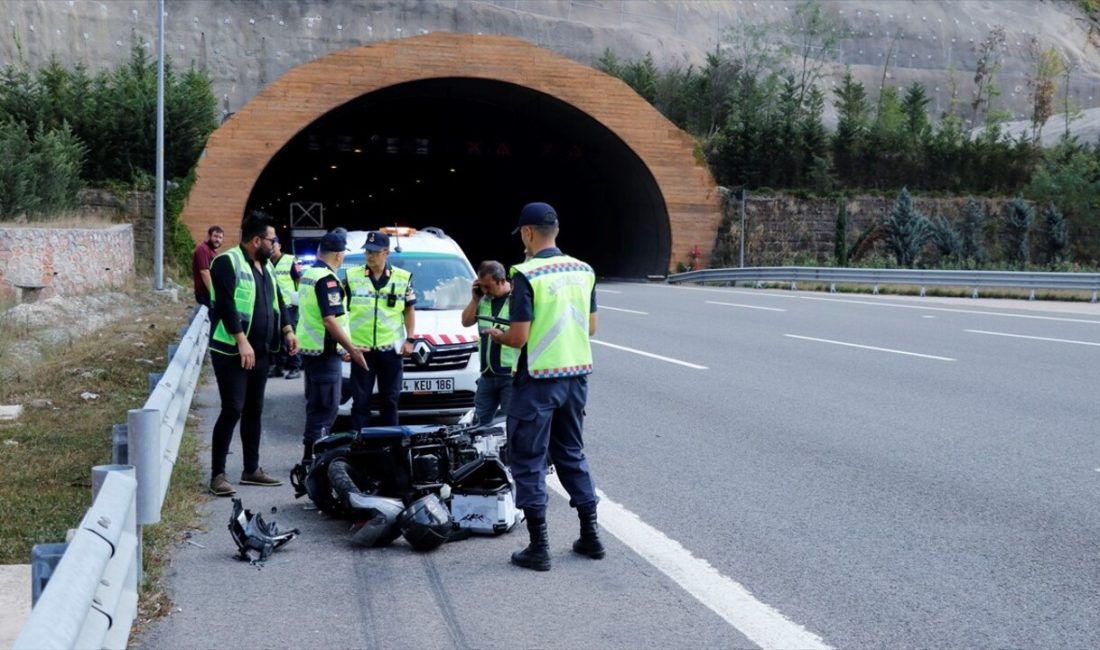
[
  {"x": 311, "y": 324},
  {"x": 374, "y": 323},
  {"x": 500, "y": 359},
  {"x": 558, "y": 345},
  {"x": 244, "y": 299},
  {"x": 285, "y": 281}
]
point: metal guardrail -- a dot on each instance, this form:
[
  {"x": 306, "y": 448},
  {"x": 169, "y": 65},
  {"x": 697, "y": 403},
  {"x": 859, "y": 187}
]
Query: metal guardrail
[
  {"x": 90, "y": 599},
  {"x": 975, "y": 280}
]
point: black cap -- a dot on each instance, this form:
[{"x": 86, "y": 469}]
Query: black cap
[
  {"x": 537, "y": 214},
  {"x": 377, "y": 241},
  {"x": 334, "y": 242}
]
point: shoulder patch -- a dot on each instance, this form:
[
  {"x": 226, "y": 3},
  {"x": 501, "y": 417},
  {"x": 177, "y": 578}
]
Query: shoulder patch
[{"x": 334, "y": 298}]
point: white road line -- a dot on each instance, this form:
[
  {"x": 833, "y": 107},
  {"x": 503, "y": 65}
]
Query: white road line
[
  {"x": 734, "y": 304},
  {"x": 650, "y": 355},
  {"x": 1034, "y": 338},
  {"x": 869, "y": 347},
  {"x": 761, "y": 623},
  {"x": 957, "y": 311},
  {"x": 629, "y": 311},
  {"x": 607, "y": 290}
]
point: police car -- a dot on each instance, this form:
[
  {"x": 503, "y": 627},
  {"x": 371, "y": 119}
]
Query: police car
[{"x": 440, "y": 376}]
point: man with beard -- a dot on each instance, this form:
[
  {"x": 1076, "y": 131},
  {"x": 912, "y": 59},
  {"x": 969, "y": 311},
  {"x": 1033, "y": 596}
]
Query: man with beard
[
  {"x": 200, "y": 264},
  {"x": 251, "y": 320}
]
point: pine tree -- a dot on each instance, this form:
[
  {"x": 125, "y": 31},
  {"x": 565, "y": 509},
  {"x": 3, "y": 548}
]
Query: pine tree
[
  {"x": 1017, "y": 232},
  {"x": 947, "y": 240},
  {"x": 907, "y": 230},
  {"x": 1056, "y": 234},
  {"x": 840, "y": 245},
  {"x": 972, "y": 232}
]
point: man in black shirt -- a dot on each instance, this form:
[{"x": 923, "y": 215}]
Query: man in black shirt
[{"x": 249, "y": 321}]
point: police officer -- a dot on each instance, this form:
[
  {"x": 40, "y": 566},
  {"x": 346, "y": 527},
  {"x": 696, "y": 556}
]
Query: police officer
[
  {"x": 287, "y": 276},
  {"x": 488, "y": 308},
  {"x": 553, "y": 314},
  {"x": 249, "y": 321},
  {"x": 322, "y": 327},
  {"x": 380, "y": 300}
]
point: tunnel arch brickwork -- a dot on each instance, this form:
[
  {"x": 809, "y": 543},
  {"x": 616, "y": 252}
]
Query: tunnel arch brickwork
[{"x": 241, "y": 148}]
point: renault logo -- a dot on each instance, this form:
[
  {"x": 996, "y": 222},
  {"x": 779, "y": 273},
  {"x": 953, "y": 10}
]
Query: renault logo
[{"x": 421, "y": 352}]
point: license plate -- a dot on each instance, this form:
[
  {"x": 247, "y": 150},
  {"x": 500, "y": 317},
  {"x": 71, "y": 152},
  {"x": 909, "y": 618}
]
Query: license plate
[{"x": 437, "y": 385}]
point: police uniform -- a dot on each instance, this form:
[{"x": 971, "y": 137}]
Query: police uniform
[
  {"x": 287, "y": 277},
  {"x": 556, "y": 294},
  {"x": 320, "y": 295},
  {"x": 376, "y": 311},
  {"x": 494, "y": 386}
]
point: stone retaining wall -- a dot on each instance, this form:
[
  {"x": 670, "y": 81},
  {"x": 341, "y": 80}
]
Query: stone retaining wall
[{"x": 65, "y": 261}]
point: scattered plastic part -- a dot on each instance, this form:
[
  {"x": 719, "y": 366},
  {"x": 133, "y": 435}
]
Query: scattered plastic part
[{"x": 256, "y": 539}]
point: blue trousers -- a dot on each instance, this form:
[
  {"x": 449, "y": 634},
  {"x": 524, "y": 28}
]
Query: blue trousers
[
  {"x": 322, "y": 394},
  {"x": 493, "y": 392},
  {"x": 548, "y": 414},
  {"x": 387, "y": 367}
]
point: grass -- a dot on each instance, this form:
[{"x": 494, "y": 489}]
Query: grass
[{"x": 47, "y": 455}]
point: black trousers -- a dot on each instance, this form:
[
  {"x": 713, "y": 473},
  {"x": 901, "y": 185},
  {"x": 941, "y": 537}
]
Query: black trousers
[
  {"x": 323, "y": 381},
  {"x": 387, "y": 367},
  {"x": 242, "y": 395},
  {"x": 287, "y": 360}
]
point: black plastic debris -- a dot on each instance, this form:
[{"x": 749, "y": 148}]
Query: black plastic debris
[{"x": 256, "y": 539}]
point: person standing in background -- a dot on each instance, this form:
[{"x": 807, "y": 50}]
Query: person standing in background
[{"x": 204, "y": 254}]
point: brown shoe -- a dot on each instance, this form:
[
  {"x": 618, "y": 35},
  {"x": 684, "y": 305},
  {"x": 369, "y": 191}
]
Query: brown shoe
[
  {"x": 221, "y": 487},
  {"x": 259, "y": 478}
]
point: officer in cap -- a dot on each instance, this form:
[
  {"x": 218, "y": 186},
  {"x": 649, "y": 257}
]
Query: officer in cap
[
  {"x": 322, "y": 330},
  {"x": 553, "y": 314},
  {"x": 383, "y": 322}
]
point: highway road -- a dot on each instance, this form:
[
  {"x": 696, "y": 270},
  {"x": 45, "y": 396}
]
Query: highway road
[{"x": 778, "y": 469}]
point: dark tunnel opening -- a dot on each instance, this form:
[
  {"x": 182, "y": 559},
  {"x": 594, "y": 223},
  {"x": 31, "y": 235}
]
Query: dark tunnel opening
[{"x": 465, "y": 155}]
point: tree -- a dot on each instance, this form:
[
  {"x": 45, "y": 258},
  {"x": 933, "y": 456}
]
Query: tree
[
  {"x": 947, "y": 240},
  {"x": 1056, "y": 235},
  {"x": 1017, "y": 232},
  {"x": 914, "y": 108},
  {"x": 851, "y": 130},
  {"x": 989, "y": 63},
  {"x": 840, "y": 245},
  {"x": 1069, "y": 175},
  {"x": 907, "y": 230},
  {"x": 972, "y": 232},
  {"x": 817, "y": 37},
  {"x": 1047, "y": 66}
]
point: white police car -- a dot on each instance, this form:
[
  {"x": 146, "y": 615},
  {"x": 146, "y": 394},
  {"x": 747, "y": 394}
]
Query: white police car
[{"x": 440, "y": 376}]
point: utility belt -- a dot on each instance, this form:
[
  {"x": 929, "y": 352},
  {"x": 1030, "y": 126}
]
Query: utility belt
[{"x": 381, "y": 348}]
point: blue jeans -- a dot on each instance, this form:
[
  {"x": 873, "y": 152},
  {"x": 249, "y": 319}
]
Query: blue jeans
[
  {"x": 548, "y": 414},
  {"x": 493, "y": 391}
]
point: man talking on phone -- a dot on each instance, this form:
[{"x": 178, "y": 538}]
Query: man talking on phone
[{"x": 488, "y": 308}]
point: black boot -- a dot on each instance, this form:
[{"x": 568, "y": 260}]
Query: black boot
[
  {"x": 537, "y": 554},
  {"x": 589, "y": 544}
]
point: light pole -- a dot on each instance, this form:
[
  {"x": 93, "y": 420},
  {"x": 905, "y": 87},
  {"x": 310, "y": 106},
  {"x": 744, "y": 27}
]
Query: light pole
[
  {"x": 158, "y": 241},
  {"x": 742, "y": 194}
]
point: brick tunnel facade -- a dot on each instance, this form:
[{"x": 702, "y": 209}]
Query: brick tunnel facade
[{"x": 459, "y": 131}]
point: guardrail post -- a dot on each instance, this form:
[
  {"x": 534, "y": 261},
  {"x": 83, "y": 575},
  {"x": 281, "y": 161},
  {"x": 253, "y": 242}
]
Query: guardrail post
[
  {"x": 922, "y": 291},
  {"x": 975, "y": 294},
  {"x": 172, "y": 347},
  {"x": 1093, "y": 296},
  {"x": 154, "y": 379},
  {"x": 146, "y": 450},
  {"x": 44, "y": 560},
  {"x": 120, "y": 449},
  {"x": 1031, "y": 296}
]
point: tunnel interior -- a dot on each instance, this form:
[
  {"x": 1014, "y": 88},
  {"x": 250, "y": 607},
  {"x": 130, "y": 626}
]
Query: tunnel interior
[{"x": 465, "y": 155}]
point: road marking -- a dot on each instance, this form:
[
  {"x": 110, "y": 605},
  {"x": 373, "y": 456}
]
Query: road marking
[
  {"x": 607, "y": 290},
  {"x": 761, "y": 623},
  {"x": 869, "y": 347},
  {"x": 1034, "y": 338},
  {"x": 629, "y": 311},
  {"x": 957, "y": 311},
  {"x": 650, "y": 355},
  {"x": 927, "y": 316},
  {"x": 734, "y": 304}
]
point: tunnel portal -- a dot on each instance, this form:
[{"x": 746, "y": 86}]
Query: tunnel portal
[{"x": 458, "y": 131}]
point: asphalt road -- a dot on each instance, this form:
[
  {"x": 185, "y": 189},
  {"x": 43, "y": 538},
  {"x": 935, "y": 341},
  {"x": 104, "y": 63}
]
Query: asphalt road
[{"x": 779, "y": 469}]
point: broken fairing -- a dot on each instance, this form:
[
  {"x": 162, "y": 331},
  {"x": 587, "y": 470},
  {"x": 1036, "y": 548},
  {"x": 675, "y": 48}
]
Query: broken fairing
[{"x": 256, "y": 539}]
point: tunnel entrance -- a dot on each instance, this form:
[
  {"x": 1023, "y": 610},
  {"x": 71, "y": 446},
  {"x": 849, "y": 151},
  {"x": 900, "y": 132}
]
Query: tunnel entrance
[{"x": 465, "y": 155}]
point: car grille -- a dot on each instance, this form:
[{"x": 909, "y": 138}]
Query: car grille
[
  {"x": 454, "y": 356},
  {"x": 462, "y": 399}
]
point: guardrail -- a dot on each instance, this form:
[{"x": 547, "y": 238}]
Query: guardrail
[
  {"x": 974, "y": 280},
  {"x": 90, "y": 597}
]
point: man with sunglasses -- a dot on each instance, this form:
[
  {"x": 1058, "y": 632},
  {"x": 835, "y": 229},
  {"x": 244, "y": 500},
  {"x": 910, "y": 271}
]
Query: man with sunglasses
[{"x": 249, "y": 322}]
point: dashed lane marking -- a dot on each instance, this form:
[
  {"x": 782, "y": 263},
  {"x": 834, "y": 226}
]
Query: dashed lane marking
[
  {"x": 869, "y": 347},
  {"x": 686, "y": 364}
]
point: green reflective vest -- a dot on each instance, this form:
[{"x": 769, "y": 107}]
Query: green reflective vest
[
  {"x": 377, "y": 315},
  {"x": 311, "y": 324},
  {"x": 244, "y": 299},
  {"x": 496, "y": 358},
  {"x": 558, "y": 345},
  {"x": 285, "y": 282}
]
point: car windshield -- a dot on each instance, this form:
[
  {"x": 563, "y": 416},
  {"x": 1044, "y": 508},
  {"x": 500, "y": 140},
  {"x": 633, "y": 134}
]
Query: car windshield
[{"x": 442, "y": 281}]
